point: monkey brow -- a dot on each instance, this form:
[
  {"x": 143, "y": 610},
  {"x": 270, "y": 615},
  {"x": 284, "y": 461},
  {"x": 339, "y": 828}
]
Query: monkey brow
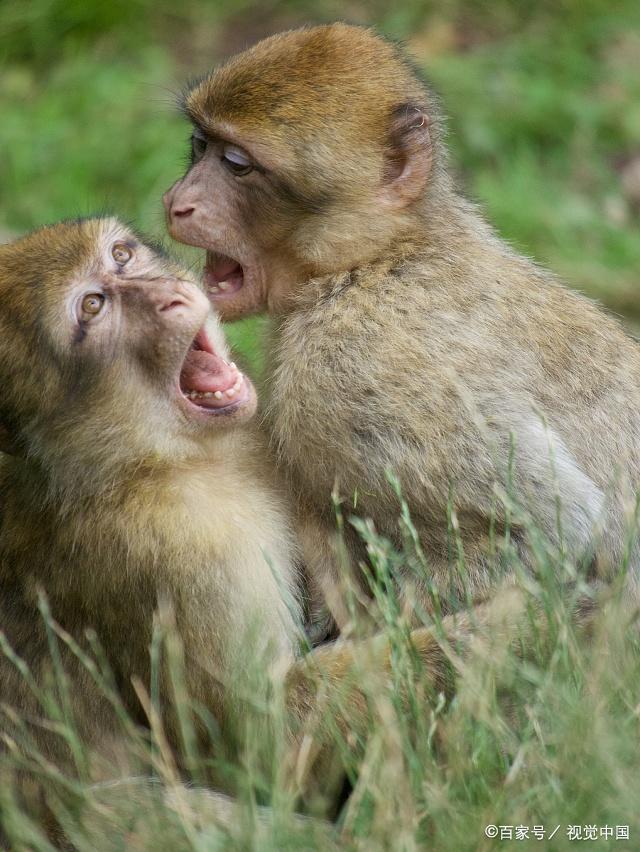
[
  {"x": 157, "y": 247},
  {"x": 205, "y": 132},
  {"x": 196, "y": 120}
]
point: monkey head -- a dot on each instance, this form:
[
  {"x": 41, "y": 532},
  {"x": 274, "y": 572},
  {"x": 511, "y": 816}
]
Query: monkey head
[
  {"x": 310, "y": 153},
  {"x": 104, "y": 336}
]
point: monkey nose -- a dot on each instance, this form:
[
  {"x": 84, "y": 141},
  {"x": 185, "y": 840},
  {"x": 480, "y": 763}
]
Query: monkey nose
[
  {"x": 171, "y": 302},
  {"x": 175, "y": 207},
  {"x": 182, "y": 212},
  {"x": 179, "y": 300}
]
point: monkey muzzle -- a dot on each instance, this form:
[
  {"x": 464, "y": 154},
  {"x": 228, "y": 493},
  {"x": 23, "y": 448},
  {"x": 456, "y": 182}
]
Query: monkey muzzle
[{"x": 208, "y": 381}]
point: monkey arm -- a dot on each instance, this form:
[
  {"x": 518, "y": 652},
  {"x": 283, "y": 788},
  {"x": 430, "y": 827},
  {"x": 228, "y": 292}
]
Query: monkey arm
[
  {"x": 330, "y": 673},
  {"x": 339, "y": 684}
]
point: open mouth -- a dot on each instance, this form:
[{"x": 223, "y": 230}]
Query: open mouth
[
  {"x": 209, "y": 382},
  {"x": 223, "y": 276}
]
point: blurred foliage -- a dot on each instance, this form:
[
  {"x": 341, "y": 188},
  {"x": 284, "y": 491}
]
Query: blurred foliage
[
  {"x": 544, "y": 102},
  {"x": 549, "y": 738}
]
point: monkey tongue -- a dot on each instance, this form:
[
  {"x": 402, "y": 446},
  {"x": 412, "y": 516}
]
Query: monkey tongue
[{"x": 205, "y": 372}]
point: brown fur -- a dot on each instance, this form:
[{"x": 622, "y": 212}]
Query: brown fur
[
  {"x": 112, "y": 503},
  {"x": 115, "y": 501},
  {"x": 407, "y": 336}
]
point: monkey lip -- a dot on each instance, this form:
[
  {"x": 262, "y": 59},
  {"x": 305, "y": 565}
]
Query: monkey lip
[
  {"x": 208, "y": 381},
  {"x": 223, "y": 276}
]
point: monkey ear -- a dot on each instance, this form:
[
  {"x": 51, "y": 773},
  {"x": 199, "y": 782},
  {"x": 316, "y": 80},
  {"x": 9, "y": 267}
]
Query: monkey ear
[{"x": 408, "y": 156}]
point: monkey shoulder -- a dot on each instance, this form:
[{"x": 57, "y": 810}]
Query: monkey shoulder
[
  {"x": 436, "y": 318},
  {"x": 392, "y": 364}
]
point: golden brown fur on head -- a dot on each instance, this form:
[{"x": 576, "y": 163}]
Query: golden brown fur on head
[
  {"x": 24, "y": 300},
  {"x": 314, "y": 92},
  {"x": 76, "y": 384},
  {"x": 341, "y": 136}
]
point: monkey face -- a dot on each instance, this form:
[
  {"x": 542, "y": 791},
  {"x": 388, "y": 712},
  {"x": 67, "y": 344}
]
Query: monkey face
[
  {"x": 253, "y": 213},
  {"x": 207, "y": 209},
  {"x": 126, "y": 335},
  {"x": 309, "y": 154}
]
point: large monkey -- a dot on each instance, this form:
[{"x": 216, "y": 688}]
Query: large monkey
[{"x": 407, "y": 336}]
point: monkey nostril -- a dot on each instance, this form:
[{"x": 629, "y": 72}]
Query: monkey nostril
[
  {"x": 174, "y": 303},
  {"x": 182, "y": 212}
]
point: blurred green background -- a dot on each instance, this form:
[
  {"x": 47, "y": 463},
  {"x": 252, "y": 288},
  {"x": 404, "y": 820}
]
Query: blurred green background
[{"x": 543, "y": 99}]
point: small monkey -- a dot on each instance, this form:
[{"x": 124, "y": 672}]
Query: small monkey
[
  {"x": 131, "y": 479},
  {"x": 407, "y": 336}
]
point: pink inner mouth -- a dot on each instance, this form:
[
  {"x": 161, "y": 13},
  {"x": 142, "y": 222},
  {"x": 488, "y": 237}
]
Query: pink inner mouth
[
  {"x": 207, "y": 380},
  {"x": 223, "y": 276}
]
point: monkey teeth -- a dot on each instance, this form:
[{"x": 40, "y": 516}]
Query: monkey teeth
[
  {"x": 220, "y": 287},
  {"x": 208, "y": 380},
  {"x": 222, "y": 276},
  {"x": 230, "y": 392},
  {"x": 234, "y": 390}
]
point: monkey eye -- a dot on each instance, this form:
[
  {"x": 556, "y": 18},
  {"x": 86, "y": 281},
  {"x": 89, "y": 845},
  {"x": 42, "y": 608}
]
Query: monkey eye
[
  {"x": 121, "y": 253},
  {"x": 91, "y": 305},
  {"x": 198, "y": 145},
  {"x": 236, "y": 160}
]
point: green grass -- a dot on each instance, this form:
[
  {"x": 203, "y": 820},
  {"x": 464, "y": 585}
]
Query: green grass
[{"x": 547, "y": 738}]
